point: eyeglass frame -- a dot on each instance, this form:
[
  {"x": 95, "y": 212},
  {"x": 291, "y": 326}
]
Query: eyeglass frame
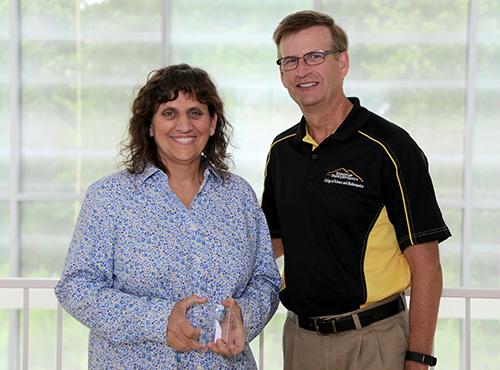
[{"x": 322, "y": 52}]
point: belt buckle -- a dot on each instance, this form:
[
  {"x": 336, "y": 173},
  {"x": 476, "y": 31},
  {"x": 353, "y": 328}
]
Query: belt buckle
[{"x": 322, "y": 321}]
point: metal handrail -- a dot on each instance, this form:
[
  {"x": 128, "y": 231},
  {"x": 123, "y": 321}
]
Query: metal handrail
[{"x": 28, "y": 283}]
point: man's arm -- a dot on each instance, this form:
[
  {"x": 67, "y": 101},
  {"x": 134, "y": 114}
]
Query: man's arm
[
  {"x": 277, "y": 247},
  {"x": 426, "y": 288}
]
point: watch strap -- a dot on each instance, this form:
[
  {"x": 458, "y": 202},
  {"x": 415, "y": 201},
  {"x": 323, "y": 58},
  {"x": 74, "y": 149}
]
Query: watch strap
[{"x": 421, "y": 358}]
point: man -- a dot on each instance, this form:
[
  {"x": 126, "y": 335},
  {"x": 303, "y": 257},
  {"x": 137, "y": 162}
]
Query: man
[{"x": 350, "y": 204}]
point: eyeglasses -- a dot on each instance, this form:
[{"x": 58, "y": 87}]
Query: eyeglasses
[{"x": 312, "y": 58}]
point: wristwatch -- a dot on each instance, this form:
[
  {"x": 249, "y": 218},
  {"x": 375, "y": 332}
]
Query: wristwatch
[{"x": 421, "y": 358}]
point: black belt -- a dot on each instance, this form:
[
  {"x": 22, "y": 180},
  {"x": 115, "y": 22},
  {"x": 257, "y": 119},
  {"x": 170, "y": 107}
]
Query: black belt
[{"x": 339, "y": 324}]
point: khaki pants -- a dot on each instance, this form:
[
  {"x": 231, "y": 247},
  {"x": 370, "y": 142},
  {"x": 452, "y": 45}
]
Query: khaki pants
[{"x": 379, "y": 346}]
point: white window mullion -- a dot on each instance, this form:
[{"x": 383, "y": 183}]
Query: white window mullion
[
  {"x": 59, "y": 336},
  {"x": 15, "y": 167},
  {"x": 15, "y": 135},
  {"x": 26, "y": 328},
  {"x": 166, "y": 31},
  {"x": 470, "y": 117}
]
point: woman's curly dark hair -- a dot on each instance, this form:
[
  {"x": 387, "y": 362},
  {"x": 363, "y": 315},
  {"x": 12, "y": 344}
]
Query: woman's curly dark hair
[{"x": 164, "y": 85}]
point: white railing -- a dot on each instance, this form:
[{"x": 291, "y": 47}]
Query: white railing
[{"x": 10, "y": 299}]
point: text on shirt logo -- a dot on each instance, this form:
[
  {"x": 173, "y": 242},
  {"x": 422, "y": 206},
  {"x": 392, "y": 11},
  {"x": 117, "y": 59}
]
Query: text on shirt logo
[{"x": 341, "y": 176}]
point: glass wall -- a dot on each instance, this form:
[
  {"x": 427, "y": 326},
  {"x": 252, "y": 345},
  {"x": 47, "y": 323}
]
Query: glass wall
[
  {"x": 431, "y": 67},
  {"x": 80, "y": 65},
  {"x": 485, "y": 161},
  {"x": 48, "y": 95},
  {"x": 486, "y": 154}
]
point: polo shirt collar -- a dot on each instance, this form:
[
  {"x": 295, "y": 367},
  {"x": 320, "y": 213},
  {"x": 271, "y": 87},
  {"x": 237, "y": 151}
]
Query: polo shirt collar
[
  {"x": 301, "y": 131},
  {"x": 351, "y": 124}
]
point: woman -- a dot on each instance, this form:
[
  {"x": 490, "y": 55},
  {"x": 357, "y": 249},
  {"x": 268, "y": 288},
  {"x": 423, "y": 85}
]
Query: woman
[{"x": 157, "y": 245}]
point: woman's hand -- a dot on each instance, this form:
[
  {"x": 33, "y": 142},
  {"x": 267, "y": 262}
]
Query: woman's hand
[
  {"x": 181, "y": 335},
  {"x": 233, "y": 339}
]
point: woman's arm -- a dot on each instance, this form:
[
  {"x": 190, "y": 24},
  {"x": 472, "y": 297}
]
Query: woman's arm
[{"x": 86, "y": 288}]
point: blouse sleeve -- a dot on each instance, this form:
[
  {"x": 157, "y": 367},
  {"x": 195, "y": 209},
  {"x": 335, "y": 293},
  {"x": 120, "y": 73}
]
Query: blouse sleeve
[{"x": 86, "y": 289}]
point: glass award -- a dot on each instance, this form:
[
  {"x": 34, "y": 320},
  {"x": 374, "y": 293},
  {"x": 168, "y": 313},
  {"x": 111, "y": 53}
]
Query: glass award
[{"x": 208, "y": 318}]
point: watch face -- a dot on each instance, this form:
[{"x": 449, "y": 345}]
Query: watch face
[{"x": 432, "y": 361}]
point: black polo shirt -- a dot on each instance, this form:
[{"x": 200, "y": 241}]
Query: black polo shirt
[{"x": 346, "y": 210}]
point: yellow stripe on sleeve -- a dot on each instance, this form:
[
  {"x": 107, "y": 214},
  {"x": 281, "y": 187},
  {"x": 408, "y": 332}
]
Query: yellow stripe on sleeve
[{"x": 399, "y": 183}]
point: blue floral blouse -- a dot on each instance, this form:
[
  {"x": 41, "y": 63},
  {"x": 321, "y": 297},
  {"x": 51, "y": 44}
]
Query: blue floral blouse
[{"x": 137, "y": 250}]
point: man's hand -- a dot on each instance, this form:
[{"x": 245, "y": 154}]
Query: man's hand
[
  {"x": 233, "y": 339},
  {"x": 412, "y": 365},
  {"x": 181, "y": 335},
  {"x": 278, "y": 247}
]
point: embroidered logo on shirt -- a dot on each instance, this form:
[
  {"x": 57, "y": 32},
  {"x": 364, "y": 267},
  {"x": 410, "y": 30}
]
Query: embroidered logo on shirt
[{"x": 342, "y": 176}]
